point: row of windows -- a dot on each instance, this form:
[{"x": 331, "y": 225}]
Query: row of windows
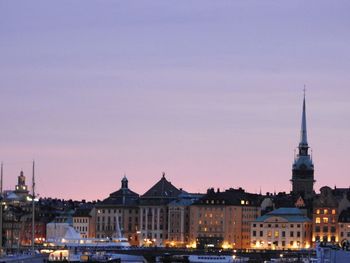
[
  {"x": 81, "y": 228},
  {"x": 325, "y": 229},
  {"x": 155, "y": 235},
  {"x": 278, "y": 225},
  {"x": 276, "y": 243},
  {"x": 109, "y": 211},
  {"x": 278, "y": 233},
  {"x": 325, "y": 239},
  {"x": 325, "y": 211},
  {"x": 155, "y": 227},
  {"x": 324, "y": 220},
  {"x": 80, "y": 220},
  {"x": 342, "y": 234}
]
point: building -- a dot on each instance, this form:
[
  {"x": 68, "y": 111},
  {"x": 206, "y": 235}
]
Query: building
[
  {"x": 154, "y": 212},
  {"x": 283, "y": 228},
  {"x": 118, "y": 215},
  {"x": 21, "y": 188},
  {"x": 303, "y": 167},
  {"x": 83, "y": 222},
  {"x": 344, "y": 227},
  {"x": 222, "y": 219},
  {"x": 179, "y": 219},
  {"x": 327, "y": 207}
]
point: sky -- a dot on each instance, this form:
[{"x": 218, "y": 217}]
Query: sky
[{"x": 210, "y": 92}]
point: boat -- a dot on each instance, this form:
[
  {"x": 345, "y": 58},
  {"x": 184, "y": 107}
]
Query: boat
[
  {"x": 66, "y": 255},
  {"x": 72, "y": 239},
  {"x": 73, "y": 248},
  {"x": 215, "y": 259},
  {"x": 332, "y": 254}
]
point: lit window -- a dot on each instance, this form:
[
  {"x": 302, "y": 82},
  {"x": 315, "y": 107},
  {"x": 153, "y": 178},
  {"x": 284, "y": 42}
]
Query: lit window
[
  {"x": 242, "y": 202},
  {"x": 325, "y": 220},
  {"x": 318, "y": 211},
  {"x": 333, "y": 211},
  {"x": 325, "y": 211},
  {"x": 277, "y": 233},
  {"x": 269, "y": 233},
  {"x": 318, "y": 220}
]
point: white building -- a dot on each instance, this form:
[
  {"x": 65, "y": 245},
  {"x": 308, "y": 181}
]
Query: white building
[
  {"x": 82, "y": 222},
  {"x": 283, "y": 228}
]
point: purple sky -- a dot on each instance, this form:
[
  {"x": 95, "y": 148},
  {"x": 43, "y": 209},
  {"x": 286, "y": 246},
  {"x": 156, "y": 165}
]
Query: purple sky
[{"x": 208, "y": 91}]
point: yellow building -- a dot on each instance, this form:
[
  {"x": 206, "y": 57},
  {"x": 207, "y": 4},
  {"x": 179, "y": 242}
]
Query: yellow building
[{"x": 283, "y": 228}]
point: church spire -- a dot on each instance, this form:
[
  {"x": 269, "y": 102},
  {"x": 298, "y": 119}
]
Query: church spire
[
  {"x": 303, "y": 131},
  {"x": 303, "y": 167}
]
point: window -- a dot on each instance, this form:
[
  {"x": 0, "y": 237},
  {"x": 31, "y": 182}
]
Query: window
[
  {"x": 317, "y": 229},
  {"x": 254, "y": 233},
  {"x": 283, "y": 233},
  {"x": 333, "y": 211},
  {"x": 318, "y": 211},
  {"x": 318, "y": 220},
  {"x": 298, "y": 234},
  {"x": 291, "y": 234},
  {"x": 325, "y": 220},
  {"x": 333, "y": 229},
  {"x": 269, "y": 233},
  {"x": 261, "y": 233},
  {"x": 277, "y": 233},
  {"x": 325, "y": 211}
]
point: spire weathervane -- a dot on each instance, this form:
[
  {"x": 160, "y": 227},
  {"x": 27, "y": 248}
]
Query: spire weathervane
[{"x": 303, "y": 131}]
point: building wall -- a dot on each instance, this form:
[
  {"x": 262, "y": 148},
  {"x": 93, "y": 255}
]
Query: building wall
[
  {"x": 344, "y": 232},
  {"x": 229, "y": 223},
  {"x": 154, "y": 225},
  {"x": 325, "y": 224},
  {"x": 106, "y": 222},
  {"x": 278, "y": 233},
  {"x": 82, "y": 225},
  {"x": 178, "y": 225}
]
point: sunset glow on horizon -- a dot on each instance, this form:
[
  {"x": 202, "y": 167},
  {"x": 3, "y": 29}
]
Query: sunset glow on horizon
[{"x": 209, "y": 92}]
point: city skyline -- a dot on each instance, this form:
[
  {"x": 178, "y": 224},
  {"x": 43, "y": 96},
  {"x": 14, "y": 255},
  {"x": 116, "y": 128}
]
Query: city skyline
[{"x": 138, "y": 89}]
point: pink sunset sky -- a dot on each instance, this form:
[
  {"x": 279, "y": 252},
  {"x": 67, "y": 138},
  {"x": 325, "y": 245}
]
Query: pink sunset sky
[{"x": 210, "y": 92}]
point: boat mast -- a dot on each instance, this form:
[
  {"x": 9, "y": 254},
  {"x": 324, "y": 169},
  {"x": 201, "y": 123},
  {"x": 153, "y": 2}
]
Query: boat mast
[
  {"x": 1, "y": 200},
  {"x": 33, "y": 206}
]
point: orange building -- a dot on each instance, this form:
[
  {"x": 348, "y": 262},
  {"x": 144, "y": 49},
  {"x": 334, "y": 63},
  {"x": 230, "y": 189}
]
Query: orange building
[{"x": 222, "y": 219}]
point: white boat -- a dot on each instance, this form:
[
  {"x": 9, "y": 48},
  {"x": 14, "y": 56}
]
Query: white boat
[
  {"x": 215, "y": 259},
  {"x": 66, "y": 255},
  {"x": 332, "y": 254},
  {"x": 72, "y": 239}
]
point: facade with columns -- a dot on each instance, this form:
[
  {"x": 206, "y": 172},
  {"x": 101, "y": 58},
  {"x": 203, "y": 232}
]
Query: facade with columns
[{"x": 154, "y": 213}]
